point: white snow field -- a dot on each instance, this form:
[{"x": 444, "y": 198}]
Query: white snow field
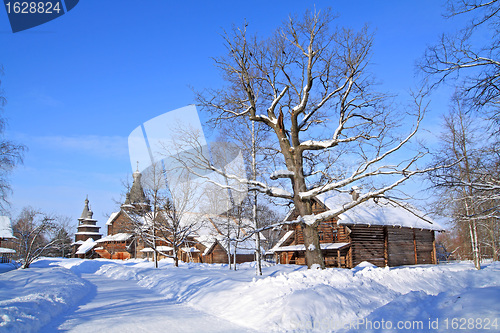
[{"x": 74, "y": 295}]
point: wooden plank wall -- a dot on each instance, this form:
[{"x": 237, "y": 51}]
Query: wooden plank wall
[
  {"x": 218, "y": 255},
  {"x": 331, "y": 233},
  {"x": 400, "y": 246},
  {"x": 121, "y": 224},
  {"x": 424, "y": 241},
  {"x": 367, "y": 244}
]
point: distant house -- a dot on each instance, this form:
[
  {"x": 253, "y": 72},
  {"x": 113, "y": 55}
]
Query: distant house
[
  {"x": 216, "y": 240},
  {"x": 382, "y": 233},
  {"x": 6, "y": 237}
]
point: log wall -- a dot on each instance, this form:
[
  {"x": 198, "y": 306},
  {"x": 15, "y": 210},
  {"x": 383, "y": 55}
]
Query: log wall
[
  {"x": 425, "y": 246},
  {"x": 367, "y": 244},
  {"x": 219, "y": 256},
  {"x": 401, "y": 249},
  {"x": 121, "y": 224}
]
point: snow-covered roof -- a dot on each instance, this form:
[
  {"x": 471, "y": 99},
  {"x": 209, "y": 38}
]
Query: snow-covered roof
[
  {"x": 5, "y": 250},
  {"x": 382, "y": 213},
  {"x": 163, "y": 248},
  {"x": 301, "y": 247},
  {"x": 5, "y": 227},
  {"x": 80, "y": 242},
  {"x": 282, "y": 240},
  {"x": 159, "y": 248},
  {"x": 112, "y": 218},
  {"x": 86, "y": 246},
  {"x": 189, "y": 249},
  {"x": 88, "y": 225},
  {"x": 87, "y": 233},
  {"x": 121, "y": 237}
]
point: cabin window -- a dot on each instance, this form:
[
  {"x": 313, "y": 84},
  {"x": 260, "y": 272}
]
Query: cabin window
[
  {"x": 321, "y": 235},
  {"x": 334, "y": 235}
]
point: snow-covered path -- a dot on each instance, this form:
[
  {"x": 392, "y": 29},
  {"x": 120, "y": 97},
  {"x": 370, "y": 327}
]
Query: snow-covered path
[
  {"x": 123, "y": 306},
  {"x": 74, "y": 295}
]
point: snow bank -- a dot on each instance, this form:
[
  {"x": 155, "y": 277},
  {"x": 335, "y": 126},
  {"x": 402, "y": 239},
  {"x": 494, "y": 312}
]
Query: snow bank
[
  {"x": 292, "y": 299},
  {"x": 287, "y": 298},
  {"x": 30, "y": 298}
]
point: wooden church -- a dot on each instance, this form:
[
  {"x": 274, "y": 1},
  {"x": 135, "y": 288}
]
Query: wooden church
[
  {"x": 87, "y": 234},
  {"x": 206, "y": 245}
]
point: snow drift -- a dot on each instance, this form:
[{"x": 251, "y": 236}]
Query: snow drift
[
  {"x": 30, "y": 298},
  {"x": 289, "y": 298}
]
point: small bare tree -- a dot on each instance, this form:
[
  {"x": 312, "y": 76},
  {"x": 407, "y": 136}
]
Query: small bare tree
[
  {"x": 167, "y": 222},
  {"x": 462, "y": 187},
  {"x": 36, "y": 234},
  {"x": 309, "y": 84},
  {"x": 145, "y": 220},
  {"x": 63, "y": 237},
  {"x": 11, "y": 154}
]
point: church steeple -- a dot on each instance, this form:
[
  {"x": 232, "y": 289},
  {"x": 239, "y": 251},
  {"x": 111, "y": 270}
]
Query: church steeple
[
  {"x": 87, "y": 226},
  {"x": 136, "y": 197},
  {"x": 85, "y": 212}
]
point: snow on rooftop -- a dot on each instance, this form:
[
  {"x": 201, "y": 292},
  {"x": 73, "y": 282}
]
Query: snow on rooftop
[
  {"x": 383, "y": 213},
  {"x": 147, "y": 250},
  {"x": 6, "y": 250},
  {"x": 282, "y": 240},
  {"x": 5, "y": 227},
  {"x": 89, "y": 225},
  {"x": 190, "y": 249},
  {"x": 111, "y": 218},
  {"x": 301, "y": 247},
  {"x": 86, "y": 246},
  {"x": 121, "y": 237},
  {"x": 163, "y": 248}
]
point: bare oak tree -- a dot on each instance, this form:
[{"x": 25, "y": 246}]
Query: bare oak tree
[{"x": 309, "y": 84}]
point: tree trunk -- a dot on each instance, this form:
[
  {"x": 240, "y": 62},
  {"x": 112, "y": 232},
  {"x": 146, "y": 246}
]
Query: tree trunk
[
  {"x": 229, "y": 253},
  {"x": 176, "y": 256},
  {"x": 254, "y": 208},
  {"x": 314, "y": 257},
  {"x": 234, "y": 255},
  {"x": 155, "y": 253}
]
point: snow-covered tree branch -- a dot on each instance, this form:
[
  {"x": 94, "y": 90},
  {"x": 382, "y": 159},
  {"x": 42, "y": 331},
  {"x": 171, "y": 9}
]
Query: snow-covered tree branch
[{"x": 310, "y": 84}]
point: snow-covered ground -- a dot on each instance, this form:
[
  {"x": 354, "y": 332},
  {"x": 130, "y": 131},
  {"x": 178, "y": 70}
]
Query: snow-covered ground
[{"x": 74, "y": 295}]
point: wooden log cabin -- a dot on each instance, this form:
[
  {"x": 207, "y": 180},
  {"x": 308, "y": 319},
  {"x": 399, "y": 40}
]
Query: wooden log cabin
[
  {"x": 382, "y": 233},
  {"x": 6, "y": 240}
]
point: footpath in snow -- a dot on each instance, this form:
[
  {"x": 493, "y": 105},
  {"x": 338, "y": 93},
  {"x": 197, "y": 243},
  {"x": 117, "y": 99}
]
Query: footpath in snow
[
  {"x": 123, "y": 306},
  {"x": 74, "y": 295}
]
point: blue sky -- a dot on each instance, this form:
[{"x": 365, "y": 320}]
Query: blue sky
[{"x": 78, "y": 85}]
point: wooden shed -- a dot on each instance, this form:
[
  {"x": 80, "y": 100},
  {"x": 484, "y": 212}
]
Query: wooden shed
[
  {"x": 6, "y": 240},
  {"x": 382, "y": 233}
]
